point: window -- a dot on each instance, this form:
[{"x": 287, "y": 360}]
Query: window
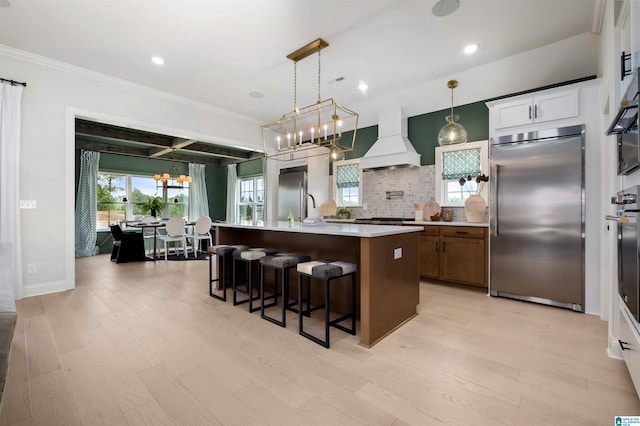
[
  {"x": 139, "y": 191},
  {"x": 460, "y": 161},
  {"x": 347, "y": 183},
  {"x": 111, "y": 189},
  {"x": 251, "y": 205}
]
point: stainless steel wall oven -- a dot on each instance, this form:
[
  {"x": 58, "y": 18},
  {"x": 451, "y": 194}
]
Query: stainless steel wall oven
[
  {"x": 625, "y": 126},
  {"x": 628, "y": 247}
]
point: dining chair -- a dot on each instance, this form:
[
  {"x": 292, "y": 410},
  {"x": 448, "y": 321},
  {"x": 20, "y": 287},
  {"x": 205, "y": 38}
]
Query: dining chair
[
  {"x": 175, "y": 234},
  {"x": 127, "y": 246},
  {"x": 201, "y": 231},
  {"x": 149, "y": 234}
]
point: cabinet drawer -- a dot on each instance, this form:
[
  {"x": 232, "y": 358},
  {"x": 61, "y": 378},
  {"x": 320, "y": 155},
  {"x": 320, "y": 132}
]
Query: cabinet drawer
[
  {"x": 431, "y": 230},
  {"x": 631, "y": 344},
  {"x": 463, "y": 231}
]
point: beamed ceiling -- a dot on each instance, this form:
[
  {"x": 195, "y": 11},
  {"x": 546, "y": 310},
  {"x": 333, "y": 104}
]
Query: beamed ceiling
[{"x": 107, "y": 138}]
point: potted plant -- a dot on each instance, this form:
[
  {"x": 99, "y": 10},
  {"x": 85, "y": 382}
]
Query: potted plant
[
  {"x": 152, "y": 206},
  {"x": 343, "y": 213}
]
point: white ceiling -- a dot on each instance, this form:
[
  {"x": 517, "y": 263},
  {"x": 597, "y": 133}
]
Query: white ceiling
[{"x": 218, "y": 51}]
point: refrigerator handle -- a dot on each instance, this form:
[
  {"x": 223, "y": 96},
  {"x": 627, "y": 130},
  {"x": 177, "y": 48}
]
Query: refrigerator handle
[
  {"x": 529, "y": 112},
  {"x": 495, "y": 214}
]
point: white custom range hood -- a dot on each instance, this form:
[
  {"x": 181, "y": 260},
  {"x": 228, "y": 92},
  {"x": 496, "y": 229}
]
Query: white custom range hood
[{"x": 393, "y": 148}]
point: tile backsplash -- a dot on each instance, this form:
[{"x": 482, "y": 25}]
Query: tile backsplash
[{"x": 416, "y": 183}]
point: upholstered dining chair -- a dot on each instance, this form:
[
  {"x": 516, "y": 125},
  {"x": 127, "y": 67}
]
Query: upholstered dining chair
[
  {"x": 201, "y": 231},
  {"x": 127, "y": 246},
  {"x": 175, "y": 234}
]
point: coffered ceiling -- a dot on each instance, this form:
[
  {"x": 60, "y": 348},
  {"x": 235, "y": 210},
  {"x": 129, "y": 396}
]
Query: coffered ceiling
[{"x": 137, "y": 143}]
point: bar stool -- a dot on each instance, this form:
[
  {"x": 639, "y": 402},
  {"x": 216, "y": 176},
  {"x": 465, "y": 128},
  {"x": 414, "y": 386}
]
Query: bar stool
[
  {"x": 224, "y": 252},
  {"x": 248, "y": 257},
  {"x": 281, "y": 262},
  {"x": 327, "y": 270}
]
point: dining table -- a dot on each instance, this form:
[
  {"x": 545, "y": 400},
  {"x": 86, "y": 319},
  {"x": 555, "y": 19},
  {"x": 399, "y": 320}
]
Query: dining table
[{"x": 155, "y": 225}]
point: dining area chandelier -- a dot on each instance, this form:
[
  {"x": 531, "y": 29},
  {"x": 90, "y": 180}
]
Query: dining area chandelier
[
  {"x": 322, "y": 128},
  {"x": 172, "y": 179}
]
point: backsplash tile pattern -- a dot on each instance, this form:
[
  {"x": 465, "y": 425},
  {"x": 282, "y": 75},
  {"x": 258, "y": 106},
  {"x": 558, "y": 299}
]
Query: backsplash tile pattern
[{"x": 417, "y": 183}]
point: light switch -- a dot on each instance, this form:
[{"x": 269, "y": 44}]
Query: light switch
[
  {"x": 27, "y": 204},
  {"x": 397, "y": 253}
]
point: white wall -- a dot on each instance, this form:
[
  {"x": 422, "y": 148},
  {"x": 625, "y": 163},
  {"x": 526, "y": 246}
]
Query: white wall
[{"x": 56, "y": 92}]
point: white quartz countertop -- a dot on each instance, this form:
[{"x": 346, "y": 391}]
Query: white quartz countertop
[
  {"x": 443, "y": 223},
  {"x": 342, "y": 229}
]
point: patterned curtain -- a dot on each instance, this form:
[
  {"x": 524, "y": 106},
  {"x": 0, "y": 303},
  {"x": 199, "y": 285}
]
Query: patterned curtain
[
  {"x": 232, "y": 196},
  {"x": 461, "y": 163},
  {"x": 198, "y": 201},
  {"x": 86, "y": 202},
  {"x": 10, "y": 246},
  {"x": 348, "y": 176}
]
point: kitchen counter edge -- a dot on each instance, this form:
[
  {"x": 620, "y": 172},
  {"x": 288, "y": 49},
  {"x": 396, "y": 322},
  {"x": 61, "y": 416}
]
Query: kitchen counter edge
[{"x": 347, "y": 229}]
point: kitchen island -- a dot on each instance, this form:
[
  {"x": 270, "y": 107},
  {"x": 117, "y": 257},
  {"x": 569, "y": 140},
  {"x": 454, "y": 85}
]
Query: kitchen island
[{"x": 387, "y": 257}]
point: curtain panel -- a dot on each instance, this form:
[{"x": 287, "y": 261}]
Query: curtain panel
[
  {"x": 10, "y": 245},
  {"x": 232, "y": 194},
  {"x": 461, "y": 163},
  {"x": 198, "y": 200},
  {"x": 86, "y": 204}
]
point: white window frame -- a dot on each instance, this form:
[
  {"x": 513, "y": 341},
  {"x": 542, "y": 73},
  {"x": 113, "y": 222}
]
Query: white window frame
[
  {"x": 255, "y": 203},
  {"x": 129, "y": 190},
  {"x": 336, "y": 193},
  {"x": 484, "y": 167}
]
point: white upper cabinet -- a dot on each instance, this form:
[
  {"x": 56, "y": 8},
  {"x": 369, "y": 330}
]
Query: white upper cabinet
[{"x": 554, "y": 105}]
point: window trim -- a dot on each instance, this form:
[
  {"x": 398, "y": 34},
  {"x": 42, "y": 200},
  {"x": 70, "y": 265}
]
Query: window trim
[
  {"x": 337, "y": 164},
  {"x": 484, "y": 168},
  {"x": 255, "y": 203},
  {"x": 128, "y": 207}
]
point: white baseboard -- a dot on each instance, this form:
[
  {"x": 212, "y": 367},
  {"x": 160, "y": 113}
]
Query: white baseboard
[{"x": 45, "y": 288}]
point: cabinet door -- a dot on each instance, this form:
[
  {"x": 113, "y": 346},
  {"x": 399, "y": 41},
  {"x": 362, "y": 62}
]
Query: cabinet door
[
  {"x": 463, "y": 260},
  {"x": 631, "y": 345},
  {"x": 556, "y": 105},
  {"x": 514, "y": 113},
  {"x": 429, "y": 256}
]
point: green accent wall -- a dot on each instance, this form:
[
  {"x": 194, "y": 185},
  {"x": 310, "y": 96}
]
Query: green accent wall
[
  {"x": 423, "y": 131},
  {"x": 250, "y": 168},
  {"x": 216, "y": 177}
]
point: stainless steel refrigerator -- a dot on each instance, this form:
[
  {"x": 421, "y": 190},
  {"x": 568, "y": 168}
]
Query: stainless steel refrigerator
[
  {"x": 292, "y": 185},
  {"x": 537, "y": 217}
]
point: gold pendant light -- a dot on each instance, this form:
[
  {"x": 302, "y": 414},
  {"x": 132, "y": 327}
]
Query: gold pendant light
[
  {"x": 316, "y": 129},
  {"x": 453, "y": 132}
]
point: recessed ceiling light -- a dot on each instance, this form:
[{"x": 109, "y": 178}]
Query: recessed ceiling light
[
  {"x": 445, "y": 7},
  {"x": 256, "y": 95},
  {"x": 157, "y": 60},
  {"x": 470, "y": 48},
  {"x": 363, "y": 86}
]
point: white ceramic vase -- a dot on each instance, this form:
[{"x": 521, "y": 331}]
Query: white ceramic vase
[{"x": 474, "y": 208}]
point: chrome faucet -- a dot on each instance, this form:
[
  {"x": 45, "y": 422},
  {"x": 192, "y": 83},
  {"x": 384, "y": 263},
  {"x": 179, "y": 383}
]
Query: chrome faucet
[{"x": 302, "y": 201}]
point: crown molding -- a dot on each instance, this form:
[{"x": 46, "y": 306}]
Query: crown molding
[{"x": 83, "y": 72}]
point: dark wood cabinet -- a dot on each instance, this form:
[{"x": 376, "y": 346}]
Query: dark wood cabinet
[{"x": 454, "y": 253}]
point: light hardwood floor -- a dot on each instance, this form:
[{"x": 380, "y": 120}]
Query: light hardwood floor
[{"x": 144, "y": 344}]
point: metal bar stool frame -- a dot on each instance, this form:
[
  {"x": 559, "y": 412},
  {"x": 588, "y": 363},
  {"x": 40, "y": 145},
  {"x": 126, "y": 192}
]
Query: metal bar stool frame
[
  {"x": 222, "y": 251},
  {"x": 289, "y": 261},
  {"x": 327, "y": 301},
  {"x": 249, "y": 262}
]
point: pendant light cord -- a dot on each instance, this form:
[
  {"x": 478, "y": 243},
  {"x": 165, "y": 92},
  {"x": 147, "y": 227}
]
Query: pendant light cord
[{"x": 319, "y": 99}]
